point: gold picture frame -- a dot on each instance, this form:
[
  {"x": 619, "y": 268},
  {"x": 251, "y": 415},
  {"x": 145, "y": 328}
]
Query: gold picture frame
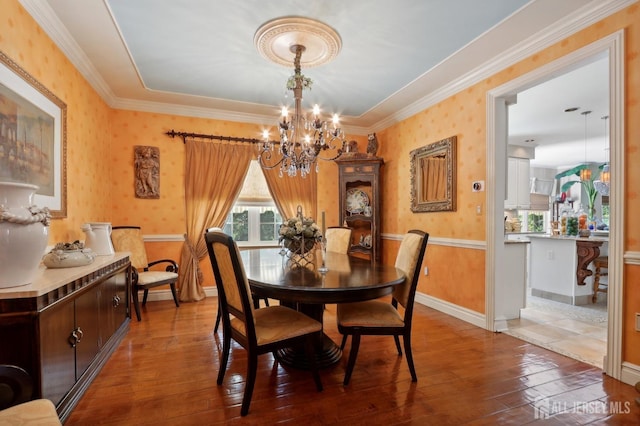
[
  {"x": 33, "y": 136},
  {"x": 433, "y": 177}
]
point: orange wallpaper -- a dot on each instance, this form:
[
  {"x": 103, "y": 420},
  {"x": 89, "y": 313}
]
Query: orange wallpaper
[
  {"x": 100, "y": 161},
  {"x": 464, "y": 116},
  {"x": 88, "y": 126}
]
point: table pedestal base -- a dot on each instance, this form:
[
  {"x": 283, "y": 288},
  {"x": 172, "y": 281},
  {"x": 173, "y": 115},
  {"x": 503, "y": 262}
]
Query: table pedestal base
[{"x": 326, "y": 355}]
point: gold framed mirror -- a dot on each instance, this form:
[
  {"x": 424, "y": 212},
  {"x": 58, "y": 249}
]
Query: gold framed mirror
[{"x": 433, "y": 177}]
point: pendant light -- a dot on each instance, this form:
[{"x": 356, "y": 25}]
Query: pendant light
[
  {"x": 602, "y": 184},
  {"x": 585, "y": 174},
  {"x": 605, "y": 175}
]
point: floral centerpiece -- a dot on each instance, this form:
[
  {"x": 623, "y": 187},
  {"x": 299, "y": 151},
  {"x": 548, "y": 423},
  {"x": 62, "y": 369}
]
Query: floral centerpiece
[{"x": 299, "y": 234}]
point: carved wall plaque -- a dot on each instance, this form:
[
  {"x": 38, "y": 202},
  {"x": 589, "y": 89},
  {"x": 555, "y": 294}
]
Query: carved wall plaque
[{"x": 147, "y": 171}]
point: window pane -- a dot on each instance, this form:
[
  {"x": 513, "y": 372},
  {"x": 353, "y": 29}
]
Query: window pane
[
  {"x": 269, "y": 224},
  {"x": 241, "y": 226},
  {"x": 266, "y": 232},
  {"x": 535, "y": 222}
]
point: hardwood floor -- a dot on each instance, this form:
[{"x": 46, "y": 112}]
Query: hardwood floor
[{"x": 164, "y": 373}]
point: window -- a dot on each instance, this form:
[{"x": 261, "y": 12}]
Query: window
[
  {"x": 534, "y": 221},
  {"x": 254, "y": 219},
  {"x": 253, "y": 224}
]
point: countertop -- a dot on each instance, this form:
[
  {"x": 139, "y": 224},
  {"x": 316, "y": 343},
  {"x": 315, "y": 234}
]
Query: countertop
[
  {"x": 568, "y": 238},
  {"x": 49, "y": 279}
]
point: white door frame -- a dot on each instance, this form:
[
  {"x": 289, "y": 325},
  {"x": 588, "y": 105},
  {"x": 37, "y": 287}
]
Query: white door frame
[{"x": 497, "y": 99}]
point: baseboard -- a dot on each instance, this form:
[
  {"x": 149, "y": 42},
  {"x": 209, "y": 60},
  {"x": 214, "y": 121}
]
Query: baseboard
[
  {"x": 630, "y": 373},
  {"x": 455, "y": 311},
  {"x": 165, "y": 294}
]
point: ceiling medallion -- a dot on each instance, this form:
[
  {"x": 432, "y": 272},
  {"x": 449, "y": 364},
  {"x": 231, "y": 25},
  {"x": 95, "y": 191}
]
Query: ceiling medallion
[{"x": 275, "y": 38}]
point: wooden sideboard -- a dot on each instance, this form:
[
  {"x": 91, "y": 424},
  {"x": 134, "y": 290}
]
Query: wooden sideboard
[{"x": 64, "y": 326}]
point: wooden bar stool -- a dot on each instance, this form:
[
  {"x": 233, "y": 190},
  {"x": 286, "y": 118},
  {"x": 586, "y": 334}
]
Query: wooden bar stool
[{"x": 600, "y": 263}]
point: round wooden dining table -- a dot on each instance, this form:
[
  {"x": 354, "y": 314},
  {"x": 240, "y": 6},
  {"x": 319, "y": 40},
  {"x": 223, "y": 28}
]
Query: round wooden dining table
[{"x": 272, "y": 274}]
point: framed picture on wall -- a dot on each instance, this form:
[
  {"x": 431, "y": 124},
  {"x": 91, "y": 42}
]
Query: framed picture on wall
[{"x": 33, "y": 136}]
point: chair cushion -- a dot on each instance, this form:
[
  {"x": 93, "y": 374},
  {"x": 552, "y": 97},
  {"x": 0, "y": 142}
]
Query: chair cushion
[
  {"x": 37, "y": 412},
  {"x": 372, "y": 313},
  {"x": 275, "y": 323},
  {"x": 406, "y": 261},
  {"x": 156, "y": 277}
]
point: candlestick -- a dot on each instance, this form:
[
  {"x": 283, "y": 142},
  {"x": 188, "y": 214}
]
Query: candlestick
[{"x": 323, "y": 227}]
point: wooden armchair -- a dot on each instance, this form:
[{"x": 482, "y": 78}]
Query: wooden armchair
[{"x": 129, "y": 238}]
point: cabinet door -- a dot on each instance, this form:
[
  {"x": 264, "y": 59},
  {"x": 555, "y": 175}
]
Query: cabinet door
[
  {"x": 524, "y": 190},
  {"x": 113, "y": 305},
  {"x": 517, "y": 184},
  {"x": 87, "y": 322},
  {"x": 512, "y": 189},
  {"x": 57, "y": 353}
]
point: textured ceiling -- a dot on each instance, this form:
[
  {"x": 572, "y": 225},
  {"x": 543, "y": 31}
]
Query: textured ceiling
[{"x": 197, "y": 57}]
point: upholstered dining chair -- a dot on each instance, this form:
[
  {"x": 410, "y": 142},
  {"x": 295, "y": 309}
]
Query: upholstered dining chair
[
  {"x": 338, "y": 239},
  {"x": 257, "y": 330},
  {"x": 256, "y": 300},
  {"x": 129, "y": 238},
  {"x": 16, "y": 405},
  {"x": 377, "y": 317}
]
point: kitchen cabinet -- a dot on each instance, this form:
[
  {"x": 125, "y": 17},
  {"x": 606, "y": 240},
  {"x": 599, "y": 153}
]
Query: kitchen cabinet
[
  {"x": 64, "y": 326},
  {"x": 518, "y": 186},
  {"x": 556, "y": 264},
  {"x": 360, "y": 203},
  {"x": 510, "y": 296}
]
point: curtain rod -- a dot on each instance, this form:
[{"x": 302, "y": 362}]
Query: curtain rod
[{"x": 185, "y": 135}]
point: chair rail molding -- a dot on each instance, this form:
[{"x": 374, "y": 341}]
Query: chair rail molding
[{"x": 439, "y": 241}]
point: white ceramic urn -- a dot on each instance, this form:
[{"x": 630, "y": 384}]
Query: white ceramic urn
[{"x": 24, "y": 233}]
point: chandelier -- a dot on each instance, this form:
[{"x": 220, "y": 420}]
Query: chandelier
[{"x": 303, "y": 138}]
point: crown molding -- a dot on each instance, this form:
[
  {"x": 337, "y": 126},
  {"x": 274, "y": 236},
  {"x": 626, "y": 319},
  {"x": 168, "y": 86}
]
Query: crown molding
[
  {"x": 580, "y": 19},
  {"x": 49, "y": 22},
  {"x": 592, "y": 12}
]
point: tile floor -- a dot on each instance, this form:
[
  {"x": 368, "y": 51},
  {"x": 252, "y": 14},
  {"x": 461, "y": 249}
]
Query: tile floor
[{"x": 577, "y": 332}]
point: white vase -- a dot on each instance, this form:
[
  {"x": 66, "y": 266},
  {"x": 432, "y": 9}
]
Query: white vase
[{"x": 24, "y": 234}]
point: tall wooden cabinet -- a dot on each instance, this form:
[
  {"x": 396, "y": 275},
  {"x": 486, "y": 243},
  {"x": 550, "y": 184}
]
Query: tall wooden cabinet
[
  {"x": 360, "y": 202},
  {"x": 63, "y": 327}
]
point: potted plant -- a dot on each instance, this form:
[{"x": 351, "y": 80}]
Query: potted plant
[{"x": 587, "y": 184}]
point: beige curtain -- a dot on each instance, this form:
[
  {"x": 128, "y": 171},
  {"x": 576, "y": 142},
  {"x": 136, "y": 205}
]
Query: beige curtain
[
  {"x": 290, "y": 192},
  {"x": 434, "y": 175},
  {"x": 214, "y": 174}
]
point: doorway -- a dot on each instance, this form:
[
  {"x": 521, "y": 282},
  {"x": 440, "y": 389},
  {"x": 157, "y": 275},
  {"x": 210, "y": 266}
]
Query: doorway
[{"x": 497, "y": 133}]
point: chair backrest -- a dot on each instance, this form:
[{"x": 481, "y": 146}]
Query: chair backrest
[
  {"x": 233, "y": 288},
  {"x": 129, "y": 238},
  {"x": 338, "y": 239},
  {"x": 409, "y": 260}
]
